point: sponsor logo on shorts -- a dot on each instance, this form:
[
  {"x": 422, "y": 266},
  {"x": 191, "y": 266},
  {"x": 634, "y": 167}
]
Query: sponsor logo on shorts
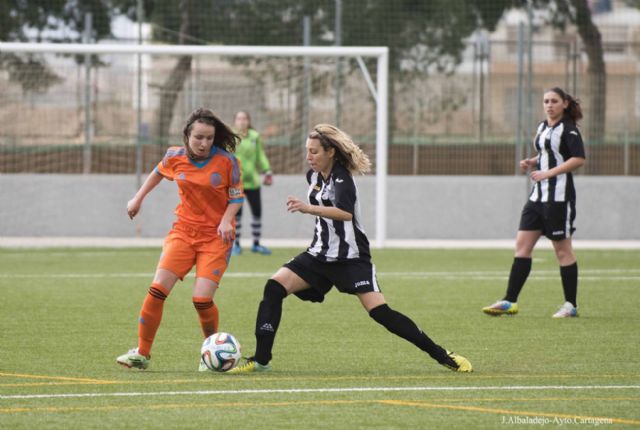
[
  {"x": 557, "y": 232},
  {"x": 362, "y": 283},
  {"x": 339, "y": 180}
]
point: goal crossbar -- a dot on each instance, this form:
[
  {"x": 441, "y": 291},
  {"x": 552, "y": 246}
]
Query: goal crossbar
[{"x": 380, "y": 92}]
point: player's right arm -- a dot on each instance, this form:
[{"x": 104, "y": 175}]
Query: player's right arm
[
  {"x": 133, "y": 206},
  {"x": 528, "y": 163},
  {"x": 164, "y": 169}
]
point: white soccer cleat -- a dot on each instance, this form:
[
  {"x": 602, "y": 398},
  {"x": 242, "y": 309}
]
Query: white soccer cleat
[
  {"x": 133, "y": 359},
  {"x": 567, "y": 310}
]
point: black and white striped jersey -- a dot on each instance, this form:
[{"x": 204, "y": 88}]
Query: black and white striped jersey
[
  {"x": 337, "y": 240},
  {"x": 555, "y": 145}
]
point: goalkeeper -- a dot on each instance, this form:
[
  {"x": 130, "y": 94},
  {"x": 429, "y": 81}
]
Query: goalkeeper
[{"x": 253, "y": 162}]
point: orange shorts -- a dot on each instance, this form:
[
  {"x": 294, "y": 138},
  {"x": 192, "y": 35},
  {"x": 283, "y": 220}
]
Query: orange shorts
[{"x": 186, "y": 246}]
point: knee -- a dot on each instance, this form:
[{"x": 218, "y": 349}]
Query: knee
[
  {"x": 523, "y": 250},
  {"x": 274, "y": 291},
  {"x": 565, "y": 256}
]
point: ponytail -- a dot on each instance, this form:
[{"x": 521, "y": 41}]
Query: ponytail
[{"x": 573, "y": 111}]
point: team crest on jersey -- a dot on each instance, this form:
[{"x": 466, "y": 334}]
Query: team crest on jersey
[
  {"x": 181, "y": 176},
  {"x": 215, "y": 179},
  {"x": 235, "y": 192}
]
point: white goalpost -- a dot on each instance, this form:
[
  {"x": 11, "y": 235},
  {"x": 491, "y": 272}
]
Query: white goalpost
[{"x": 377, "y": 89}]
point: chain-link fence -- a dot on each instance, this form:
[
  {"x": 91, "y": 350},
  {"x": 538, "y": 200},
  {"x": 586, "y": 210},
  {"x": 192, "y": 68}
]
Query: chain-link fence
[{"x": 462, "y": 100}]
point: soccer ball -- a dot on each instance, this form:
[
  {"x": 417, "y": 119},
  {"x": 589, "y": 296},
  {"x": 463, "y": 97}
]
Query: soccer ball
[{"x": 220, "y": 352}]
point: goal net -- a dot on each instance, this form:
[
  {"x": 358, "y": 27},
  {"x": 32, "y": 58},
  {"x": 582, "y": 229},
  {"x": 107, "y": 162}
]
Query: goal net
[{"x": 113, "y": 109}]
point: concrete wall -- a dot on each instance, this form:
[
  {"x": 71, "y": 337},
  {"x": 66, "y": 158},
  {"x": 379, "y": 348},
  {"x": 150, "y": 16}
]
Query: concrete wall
[{"x": 420, "y": 207}]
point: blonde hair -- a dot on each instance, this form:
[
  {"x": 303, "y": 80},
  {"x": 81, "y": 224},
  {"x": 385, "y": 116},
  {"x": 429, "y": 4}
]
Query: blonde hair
[{"x": 347, "y": 152}]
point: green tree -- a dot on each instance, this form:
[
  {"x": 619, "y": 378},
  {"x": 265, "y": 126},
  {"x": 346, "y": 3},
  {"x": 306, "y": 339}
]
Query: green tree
[
  {"x": 55, "y": 20},
  {"x": 438, "y": 26},
  {"x": 577, "y": 12}
]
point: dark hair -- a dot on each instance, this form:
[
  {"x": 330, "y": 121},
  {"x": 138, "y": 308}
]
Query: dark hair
[
  {"x": 247, "y": 114},
  {"x": 573, "y": 111},
  {"x": 224, "y": 137}
]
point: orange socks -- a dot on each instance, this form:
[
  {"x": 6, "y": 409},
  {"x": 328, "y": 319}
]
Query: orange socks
[
  {"x": 208, "y": 313},
  {"x": 150, "y": 316}
]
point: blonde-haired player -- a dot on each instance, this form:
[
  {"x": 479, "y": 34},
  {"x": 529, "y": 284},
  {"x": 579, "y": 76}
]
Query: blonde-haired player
[{"x": 338, "y": 255}]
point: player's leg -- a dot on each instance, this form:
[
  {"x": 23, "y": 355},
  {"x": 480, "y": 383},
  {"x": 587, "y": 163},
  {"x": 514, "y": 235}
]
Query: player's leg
[
  {"x": 569, "y": 274},
  {"x": 521, "y": 267},
  {"x": 255, "y": 204},
  {"x": 212, "y": 259},
  {"x": 531, "y": 227},
  {"x": 281, "y": 284},
  {"x": 149, "y": 320},
  {"x": 559, "y": 218},
  {"x": 401, "y": 325},
  {"x": 237, "y": 249},
  {"x": 203, "y": 292},
  {"x": 284, "y": 282},
  {"x": 176, "y": 260}
]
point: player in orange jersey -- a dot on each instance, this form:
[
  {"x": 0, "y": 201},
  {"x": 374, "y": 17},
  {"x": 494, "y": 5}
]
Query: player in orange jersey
[{"x": 210, "y": 189}]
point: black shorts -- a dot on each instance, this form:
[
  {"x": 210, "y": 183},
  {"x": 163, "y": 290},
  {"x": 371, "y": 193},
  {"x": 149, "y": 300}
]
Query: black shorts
[
  {"x": 351, "y": 277},
  {"x": 554, "y": 219}
]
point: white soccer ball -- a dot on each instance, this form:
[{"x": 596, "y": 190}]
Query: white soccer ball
[{"x": 220, "y": 352}]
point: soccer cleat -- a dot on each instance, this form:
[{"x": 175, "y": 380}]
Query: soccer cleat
[
  {"x": 202, "y": 367},
  {"x": 457, "y": 363},
  {"x": 567, "y": 310},
  {"x": 501, "y": 307},
  {"x": 236, "y": 250},
  {"x": 133, "y": 360},
  {"x": 261, "y": 250},
  {"x": 249, "y": 366}
]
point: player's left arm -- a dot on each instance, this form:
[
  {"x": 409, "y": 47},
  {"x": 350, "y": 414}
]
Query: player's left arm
[
  {"x": 235, "y": 198},
  {"x": 263, "y": 162},
  {"x": 226, "y": 229}
]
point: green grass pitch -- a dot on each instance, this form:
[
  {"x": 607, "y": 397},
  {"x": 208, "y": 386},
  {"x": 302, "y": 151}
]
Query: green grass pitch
[{"x": 65, "y": 314}]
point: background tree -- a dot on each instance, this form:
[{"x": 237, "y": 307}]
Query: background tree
[
  {"x": 561, "y": 13},
  {"x": 55, "y": 20}
]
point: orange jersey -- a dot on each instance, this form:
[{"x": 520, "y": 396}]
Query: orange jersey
[{"x": 206, "y": 188}]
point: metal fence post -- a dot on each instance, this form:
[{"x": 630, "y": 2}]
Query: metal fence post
[{"x": 88, "y": 126}]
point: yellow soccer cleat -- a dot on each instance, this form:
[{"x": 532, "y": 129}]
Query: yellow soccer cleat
[
  {"x": 250, "y": 366},
  {"x": 457, "y": 363},
  {"x": 501, "y": 307}
]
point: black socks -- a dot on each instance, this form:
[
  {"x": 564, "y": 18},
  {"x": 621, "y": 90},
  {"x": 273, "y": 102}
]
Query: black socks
[
  {"x": 569, "y": 276},
  {"x": 268, "y": 320},
  {"x": 520, "y": 270},
  {"x": 402, "y": 326}
]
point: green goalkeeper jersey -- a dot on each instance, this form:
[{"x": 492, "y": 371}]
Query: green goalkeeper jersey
[{"x": 253, "y": 160}]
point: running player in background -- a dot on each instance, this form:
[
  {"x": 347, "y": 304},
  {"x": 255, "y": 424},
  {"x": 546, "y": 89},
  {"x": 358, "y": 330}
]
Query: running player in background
[
  {"x": 551, "y": 209},
  {"x": 208, "y": 179},
  {"x": 339, "y": 253},
  {"x": 254, "y": 161}
]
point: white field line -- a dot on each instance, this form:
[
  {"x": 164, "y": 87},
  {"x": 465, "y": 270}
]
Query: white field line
[
  {"x": 133, "y": 242},
  {"x": 585, "y": 275},
  {"x": 322, "y": 390}
]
